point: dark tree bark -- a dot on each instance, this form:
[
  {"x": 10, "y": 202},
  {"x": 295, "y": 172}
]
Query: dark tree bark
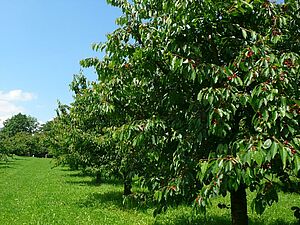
[
  {"x": 127, "y": 186},
  {"x": 98, "y": 177},
  {"x": 238, "y": 199}
]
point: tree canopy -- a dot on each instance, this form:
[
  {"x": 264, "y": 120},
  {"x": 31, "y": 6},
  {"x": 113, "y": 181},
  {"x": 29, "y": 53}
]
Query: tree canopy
[
  {"x": 196, "y": 98},
  {"x": 22, "y": 135},
  {"x": 20, "y": 123}
]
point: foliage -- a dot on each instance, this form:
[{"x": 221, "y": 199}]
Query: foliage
[
  {"x": 43, "y": 139},
  {"x": 197, "y": 98},
  {"x": 296, "y": 212},
  {"x": 21, "y": 135},
  {"x": 19, "y": 123},
  {"x": 61, "y": 140},
  {"x": 3, "y": 151},
  {"x": 22, "y": 143}
]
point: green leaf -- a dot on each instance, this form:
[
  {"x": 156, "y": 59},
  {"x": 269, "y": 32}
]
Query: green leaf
[
  {"x": 158, "y": 196},
  {"x": 193, "y": 75},
  {"x": 210, "y": 98},
  {"x": 282, "y": 112},
  {"x": 228, "y": 166},
  {"x": 247, "y": 176},
  {"x": 273, "y": 149},
  {"x": 203, "y": 166},
  {"x": 200, "y": 96},
  {"x": 253, "y": 36},
  {"x": 267, "y": 144},
  {"x": 274, "y": 115},
  {"x": 297, "y": 102},
  {"x": 244, "y": 33},
  {"x": 247, "y": 4},
  {"x": 239, "y": 81},
  {"x": 283, "y": 155},
  {"x": 173, "y": 63},
  {"x": 296, "y": 164},
  {"x": 283, "y": 102},
  {"x": 291, "y": 130},
  {"x": 265, "y": 115},
  {"x": 258, "y": 157},
  {"x": 247, "y": 158}
]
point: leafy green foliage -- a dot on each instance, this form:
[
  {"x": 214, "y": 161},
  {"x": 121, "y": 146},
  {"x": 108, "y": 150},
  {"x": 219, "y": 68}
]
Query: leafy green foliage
[
  {"x": 296, "y": 212},
  {"x": 19, "y": 123},
  {"x": 21, "y": 135},
  {"x": 197, "y": 98},
  {"x": 4, "y": 153}
]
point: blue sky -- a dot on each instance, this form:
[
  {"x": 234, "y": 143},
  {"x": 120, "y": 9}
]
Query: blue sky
[{"x": 41, "y": 44}]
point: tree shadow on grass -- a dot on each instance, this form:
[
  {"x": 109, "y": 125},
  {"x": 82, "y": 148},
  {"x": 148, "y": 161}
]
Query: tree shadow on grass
[
  {"x": 114, "y": 198},
  {"x": 7, "y": 164},
  {"x": 77, "y": 174},
  {"x": 83, "y": 182},
  {"x": 92, "y": 181},
  {"x": 20, "y": 158},
  {"x": 65, "y": 169}
]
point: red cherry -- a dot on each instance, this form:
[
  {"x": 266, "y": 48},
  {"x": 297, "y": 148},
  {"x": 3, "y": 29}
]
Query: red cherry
[{"x": 250, "y": 53}]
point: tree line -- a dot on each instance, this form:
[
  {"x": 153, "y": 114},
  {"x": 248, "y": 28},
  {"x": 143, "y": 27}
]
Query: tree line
[{"x": 22, "y": 135}]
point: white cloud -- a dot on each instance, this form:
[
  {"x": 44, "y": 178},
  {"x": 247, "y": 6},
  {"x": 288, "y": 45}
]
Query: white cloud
[
  {"x": 16, "y": 95},
  {"x": 8, "y": 107},
  {"x": 9, "y": 103}
]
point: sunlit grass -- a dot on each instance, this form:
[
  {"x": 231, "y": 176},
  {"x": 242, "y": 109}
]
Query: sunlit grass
[{"x": 33, "y": 193}]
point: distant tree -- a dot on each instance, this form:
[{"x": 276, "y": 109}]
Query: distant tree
[
  {"x": 47, "y": 127},
  {"x": 43, "y": 138},
  {"x": 21, "y": 135},
  {"x": 20, "y": 123},
  {"x": 22, "y": 143}
]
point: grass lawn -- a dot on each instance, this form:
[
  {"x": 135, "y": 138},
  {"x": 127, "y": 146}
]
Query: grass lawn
[{"x": 33, "y": 193}]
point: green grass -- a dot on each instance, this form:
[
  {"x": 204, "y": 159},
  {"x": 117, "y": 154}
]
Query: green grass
[{"x": 33, "y": 193}]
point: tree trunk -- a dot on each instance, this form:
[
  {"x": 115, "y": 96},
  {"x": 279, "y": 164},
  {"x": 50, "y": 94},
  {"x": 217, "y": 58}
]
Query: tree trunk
[
  {"x": 238, "y": 199},
  {"x": 127, "y": 186},
  {"x": 98, "y": 177}
]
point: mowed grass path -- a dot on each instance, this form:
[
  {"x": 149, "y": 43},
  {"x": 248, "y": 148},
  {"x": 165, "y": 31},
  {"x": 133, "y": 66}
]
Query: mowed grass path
[{"x": 32, "y": 192}]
